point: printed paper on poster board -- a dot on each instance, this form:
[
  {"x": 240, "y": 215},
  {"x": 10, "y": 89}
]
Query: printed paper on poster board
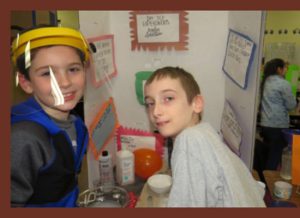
[
  {"x": 103, "y": 59},
  {"x": 238, "y": 57}
]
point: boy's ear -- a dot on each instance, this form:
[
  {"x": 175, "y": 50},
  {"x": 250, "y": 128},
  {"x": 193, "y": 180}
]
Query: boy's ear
[
  {"x": 198, "y": 103},
  {"x": 24, "y": 83}
]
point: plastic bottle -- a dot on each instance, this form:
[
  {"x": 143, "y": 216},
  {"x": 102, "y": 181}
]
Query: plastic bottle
[
  {"x": 125, "y": 167},
  {"x": 286, "y": 163},
  {"x": 106, "y": 172}
]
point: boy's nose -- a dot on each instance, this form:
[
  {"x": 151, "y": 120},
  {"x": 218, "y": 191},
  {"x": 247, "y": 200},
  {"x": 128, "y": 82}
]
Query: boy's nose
[
  {"x": 63, "y": 79},
  {"x": 157, "y": 110}
]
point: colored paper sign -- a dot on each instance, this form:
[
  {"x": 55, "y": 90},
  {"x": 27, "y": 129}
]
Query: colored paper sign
[
  {"x": 155, "y": 30},
  {"x": 230, "y": 128},
  {"x": 140, "y": 80},
  {"x": 103, "y": 59},
  {"x": 132, "y": 139}
]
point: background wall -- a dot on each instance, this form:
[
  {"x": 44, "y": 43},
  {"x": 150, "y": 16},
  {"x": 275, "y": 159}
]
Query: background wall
[
  {"x": 283, "y": 20},
  {"x": 68, "y": 19}
]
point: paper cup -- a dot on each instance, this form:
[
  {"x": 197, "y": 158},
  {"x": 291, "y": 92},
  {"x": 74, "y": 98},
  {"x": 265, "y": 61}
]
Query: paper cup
[{"x": 282, "y": 190}]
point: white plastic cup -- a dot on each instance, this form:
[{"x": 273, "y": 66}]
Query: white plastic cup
[{"x": 282, "y": 190}]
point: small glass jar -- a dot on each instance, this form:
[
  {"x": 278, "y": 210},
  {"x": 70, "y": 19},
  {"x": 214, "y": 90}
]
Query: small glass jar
[{"x": 286, "y": 163}]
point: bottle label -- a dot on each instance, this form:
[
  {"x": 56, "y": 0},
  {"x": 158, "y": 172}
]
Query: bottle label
[
  {"x": 125, "y": 170},
  {"x": 106, "y": 173}
]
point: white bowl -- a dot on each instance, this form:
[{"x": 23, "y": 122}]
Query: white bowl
[
  {"x": 283, "y": 190},
  {"x": 160, "y": 183}
]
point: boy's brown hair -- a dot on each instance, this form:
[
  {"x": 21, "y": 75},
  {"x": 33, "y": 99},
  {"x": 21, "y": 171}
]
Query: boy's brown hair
[{"x": 186, "y": 79}]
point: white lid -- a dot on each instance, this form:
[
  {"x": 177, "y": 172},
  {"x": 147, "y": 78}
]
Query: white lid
[{"x": 124, "y": 153}]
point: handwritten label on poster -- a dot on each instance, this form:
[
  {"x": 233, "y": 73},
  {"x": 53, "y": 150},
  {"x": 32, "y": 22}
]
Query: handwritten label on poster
[
  {"x": 131, "y": 142},
  {"x": 238, "y": 57},
  {"x": 103, "y": 59},
  {"x": 231, "y": 129},
  {"x": 132, "y": 139},
  {"x": 158, "y": 27},
  {"x": 156, "y": 30}
]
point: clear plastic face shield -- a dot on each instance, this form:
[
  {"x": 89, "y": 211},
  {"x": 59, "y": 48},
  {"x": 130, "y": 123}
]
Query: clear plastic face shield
[{"x": 48, "y": 36}]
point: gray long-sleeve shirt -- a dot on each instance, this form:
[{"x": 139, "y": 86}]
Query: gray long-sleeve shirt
[
  {"x": 206, "y": 173},
  {"x": 30, "y": 150}
]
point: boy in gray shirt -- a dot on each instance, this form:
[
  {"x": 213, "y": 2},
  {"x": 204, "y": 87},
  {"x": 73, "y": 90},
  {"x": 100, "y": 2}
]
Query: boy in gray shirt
[{"x": 205, "y": 172}]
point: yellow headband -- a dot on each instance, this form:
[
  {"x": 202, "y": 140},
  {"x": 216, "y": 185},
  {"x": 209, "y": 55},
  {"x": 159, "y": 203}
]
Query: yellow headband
[{"x": 49, "y": 36}]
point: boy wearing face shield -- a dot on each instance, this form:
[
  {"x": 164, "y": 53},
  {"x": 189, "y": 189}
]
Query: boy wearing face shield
[{"x": 48, "y": 142}]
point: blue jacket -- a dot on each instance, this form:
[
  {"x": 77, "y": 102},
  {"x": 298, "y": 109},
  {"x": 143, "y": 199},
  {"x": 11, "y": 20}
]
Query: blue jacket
[
  {"x": 57, "y": 182},
  {"x": 277, "y": 101}
]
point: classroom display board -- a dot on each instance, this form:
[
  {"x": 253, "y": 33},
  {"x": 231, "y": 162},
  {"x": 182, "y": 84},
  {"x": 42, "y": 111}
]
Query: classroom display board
[{"x": 238, "y": 57}]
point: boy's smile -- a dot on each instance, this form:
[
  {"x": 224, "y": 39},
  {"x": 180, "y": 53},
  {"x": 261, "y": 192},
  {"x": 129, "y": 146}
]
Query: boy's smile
[
  {"x": 168, "y": 107},
  {"x": 69, "y": 96}
]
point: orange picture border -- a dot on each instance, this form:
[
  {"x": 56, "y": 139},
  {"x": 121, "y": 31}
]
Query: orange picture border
[
  {"x": 94, "y": 124},
  {"x": 183, "y": 31}
]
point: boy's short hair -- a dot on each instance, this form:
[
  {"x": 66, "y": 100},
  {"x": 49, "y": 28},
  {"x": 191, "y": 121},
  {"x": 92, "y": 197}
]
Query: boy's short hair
[
  {"x": 20, "y": 64},
  {"x": 186, "y": 79}
]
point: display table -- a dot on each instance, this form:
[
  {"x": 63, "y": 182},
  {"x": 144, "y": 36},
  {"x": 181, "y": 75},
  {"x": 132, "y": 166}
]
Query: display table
[
  {"x": 148, "y": 198},
  {"x": 255, "y": 175},
  {"x": 271, "y": 177}
]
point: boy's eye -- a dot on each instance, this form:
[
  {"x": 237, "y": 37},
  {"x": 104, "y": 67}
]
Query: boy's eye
[
  {"x": 45, "y": 73},
  {"x": 75, "y": 69},
  {"x": 168, "y": 99},
  {"x": 149, "y": 104}
]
